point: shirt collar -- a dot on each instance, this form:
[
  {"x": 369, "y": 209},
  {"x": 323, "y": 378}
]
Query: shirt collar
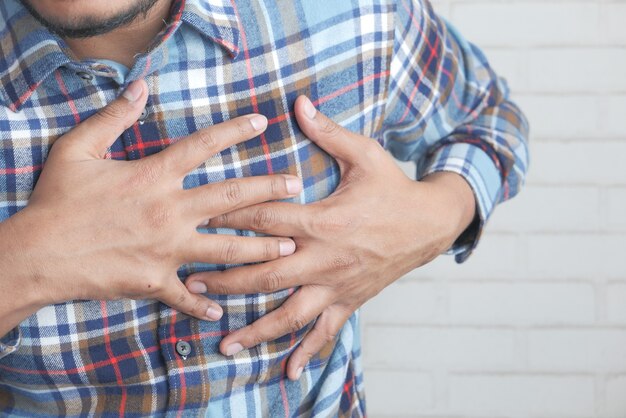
[{"x": 29, "y": 53}]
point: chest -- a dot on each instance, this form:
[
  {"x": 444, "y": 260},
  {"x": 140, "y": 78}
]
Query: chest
[
  {"x": 340, "y": 60},
  {"x": 337, "y": 53}
]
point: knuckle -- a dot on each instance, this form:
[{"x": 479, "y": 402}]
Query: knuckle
[
  {"x": 295, "y": 322},
  {"x": 276, "y": 186},
  {"x": 181, "y": 298},
  {"x": 328, "y": 336},
  {"x": 232, "y": 192},
  {"x": 340, "y": 262},
  {"x": 197, "y": 309},
  {"x": 158, "y": 215},
  {"x": 330, "y": 128},
  {"x": 220, "y": 220},
  {"x": 220, "y": 287},
  {"x": 112, "y": 112},
  {"x": 207, "y": 140},
  {"x": 271, "y": 281},
  {"x": 243, "y": 127},
  {"x": 329, "y": 222},
  {"x": 229, "y": 251},
  {"x": 256, "y": 339},
  {"x": 264, "y": 218},
  {"x": 148, "y": 172},
  {"x": 270, "y": 249}
]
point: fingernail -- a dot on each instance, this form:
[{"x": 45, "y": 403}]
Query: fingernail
[
  {"x": 258, "y": 122},
  {"x": 287, "y": 247},
  {"x": 294, "y": 185},
  {"x": 213, "y": 313},
  {"x": 197, "y": 287},
  {"x": 133, "y": 91},
  {"x": 309, "y": 109},
  {"x": 233, "y": 349},
  {"x": 299, "y": 373}
]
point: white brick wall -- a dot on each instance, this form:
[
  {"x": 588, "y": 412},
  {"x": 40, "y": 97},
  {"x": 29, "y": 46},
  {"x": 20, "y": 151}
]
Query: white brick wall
[{"x": 534, "y": 324}]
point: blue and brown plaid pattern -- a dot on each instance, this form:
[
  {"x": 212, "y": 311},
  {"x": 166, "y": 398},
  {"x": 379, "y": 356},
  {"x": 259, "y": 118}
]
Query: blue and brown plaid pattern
[{"x": 391, "y": 70}]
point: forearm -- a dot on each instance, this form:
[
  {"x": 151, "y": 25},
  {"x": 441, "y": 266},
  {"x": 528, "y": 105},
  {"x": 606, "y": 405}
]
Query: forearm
[{"x": 22, "y": 293}]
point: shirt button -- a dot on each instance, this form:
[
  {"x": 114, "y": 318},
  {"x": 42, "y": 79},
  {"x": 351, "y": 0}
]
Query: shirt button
[
  {"x": 183, "y": 348},
  {"x": 144, "y": 115},
  {"x": 84, "y": 75}
]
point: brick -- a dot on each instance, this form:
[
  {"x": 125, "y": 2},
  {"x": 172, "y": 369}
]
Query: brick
[
  {"x": 399, "y": 348},
  {"x": 512, "y": 65},
  {"x": 612, "y": 118},
  {"x": 586, "y": 350},
  {"x": 529, "y": 23},
  {"x": 577, "y": 70},
  {"x": 613, "y": 18},
  {"x": 577, "y": 256},
  {"x": 405, "y": 303},
  {"x": 616, "y": 303},
  {"x": 398, "y": 393},
  {"x": 563, "y": 117},
  {"x": 578, "y": 163},
  {"x": 522, "y": 396},
  {"x": 522, "y": 303},
  {"x": 616, "y": 208},
  {"x": 549, "y": 209},
  {"x": 497, "y": 256},
  {"x": 615, "y": 400}
]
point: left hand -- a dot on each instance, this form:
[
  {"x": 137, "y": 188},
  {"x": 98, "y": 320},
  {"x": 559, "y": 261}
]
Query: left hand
[{"x": 377, "y": 226}]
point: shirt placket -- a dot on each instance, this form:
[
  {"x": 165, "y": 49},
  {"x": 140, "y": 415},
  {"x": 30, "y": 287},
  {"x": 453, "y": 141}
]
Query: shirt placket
[
  {"x": 178, "y": 335},
  {"x": 180, "y": 345}
]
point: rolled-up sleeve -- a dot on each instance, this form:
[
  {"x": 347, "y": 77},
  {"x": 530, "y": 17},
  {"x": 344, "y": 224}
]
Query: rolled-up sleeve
[{"x": 448, "y": 111}]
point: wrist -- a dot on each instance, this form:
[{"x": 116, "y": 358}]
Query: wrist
[
  {"x": 20, "y": 269},
  {"x": 457, "y": 200}
]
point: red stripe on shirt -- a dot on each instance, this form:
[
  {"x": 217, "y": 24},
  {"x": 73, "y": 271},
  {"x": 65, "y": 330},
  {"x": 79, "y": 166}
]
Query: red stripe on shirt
[
  {"x": 253, "y": 99},
  {"x": 114, "y": 360}
]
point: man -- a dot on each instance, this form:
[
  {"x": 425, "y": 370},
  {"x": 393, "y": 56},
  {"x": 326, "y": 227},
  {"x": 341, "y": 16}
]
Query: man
[{"x": 250, "y": 141}]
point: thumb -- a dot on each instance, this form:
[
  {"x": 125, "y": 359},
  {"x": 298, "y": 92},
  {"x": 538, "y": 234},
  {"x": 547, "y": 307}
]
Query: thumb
[
  {"x": 342, "y": 144},
  {"x": 96, "y": 134}
]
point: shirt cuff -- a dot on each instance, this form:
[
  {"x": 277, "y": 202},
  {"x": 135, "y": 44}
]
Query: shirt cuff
[
  {"x": 10, "y": 342},
  {"x": 483, "y": 176}
]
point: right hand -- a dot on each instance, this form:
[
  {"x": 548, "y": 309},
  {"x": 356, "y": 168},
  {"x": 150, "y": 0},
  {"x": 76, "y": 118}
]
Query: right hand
[{"x": 102, "y": 229}]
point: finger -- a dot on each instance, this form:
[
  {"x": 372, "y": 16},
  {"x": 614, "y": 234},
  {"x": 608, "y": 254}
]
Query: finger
[
  {"x": 188, "y": 153},
  {"x": 95, "y": 135},
  {"x": 275, "y": 218},
  {"x": 227, "y": 249},
  {"x": 214, "y": 199},
  {"x": 293, "y": 315},
  {"x": 178, "y": 297},
  {"x": 342, "y": 144},
  {"x": 323, "y": 332},
  {"x": 269, "y": 277}
]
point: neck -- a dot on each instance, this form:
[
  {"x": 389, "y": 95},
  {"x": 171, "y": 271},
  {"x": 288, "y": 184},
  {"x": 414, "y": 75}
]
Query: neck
[{"x": 124, "y": 43}]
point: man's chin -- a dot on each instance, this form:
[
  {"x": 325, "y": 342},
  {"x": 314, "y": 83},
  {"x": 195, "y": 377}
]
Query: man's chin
[{"x": 86, "y": 18}]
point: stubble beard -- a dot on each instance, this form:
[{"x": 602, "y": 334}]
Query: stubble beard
[{"x": 91, "y": 26}]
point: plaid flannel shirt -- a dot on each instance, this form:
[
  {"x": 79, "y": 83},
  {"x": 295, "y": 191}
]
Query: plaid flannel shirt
[{"x": 391, "y": 70}]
